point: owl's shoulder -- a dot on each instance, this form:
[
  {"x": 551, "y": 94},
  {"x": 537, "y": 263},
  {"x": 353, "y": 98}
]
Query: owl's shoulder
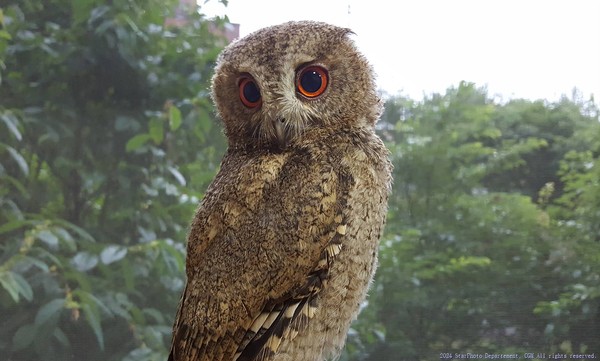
[{"x": 351, "y": 148}]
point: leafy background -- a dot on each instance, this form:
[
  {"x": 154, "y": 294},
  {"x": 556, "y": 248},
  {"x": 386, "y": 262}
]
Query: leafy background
[{"x": 108, "y": 140}]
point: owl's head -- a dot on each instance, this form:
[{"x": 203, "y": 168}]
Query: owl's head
[{"x": 278, "y": 83}]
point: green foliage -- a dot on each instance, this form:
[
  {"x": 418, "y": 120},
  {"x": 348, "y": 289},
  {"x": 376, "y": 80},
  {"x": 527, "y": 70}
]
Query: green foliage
[
  {"x": 104, "y": 152},
  {"x": 492, "y": 236},
  {"x": 107, "y": 142}
]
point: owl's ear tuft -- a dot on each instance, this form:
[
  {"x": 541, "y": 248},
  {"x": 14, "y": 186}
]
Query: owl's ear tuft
[{"x": 347, "y": 32}]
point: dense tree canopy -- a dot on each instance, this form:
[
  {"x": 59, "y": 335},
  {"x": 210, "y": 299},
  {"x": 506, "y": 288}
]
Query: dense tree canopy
[
  {"x": 492, "y": 237},
  {"x": 107, "y": 143},
  {"x": 108, "y": 139}
]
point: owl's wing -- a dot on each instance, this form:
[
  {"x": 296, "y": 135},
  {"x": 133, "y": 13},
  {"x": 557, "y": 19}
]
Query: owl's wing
[
  {"x": 287, "y": 310},
  {"x": 283, "y": 319}
]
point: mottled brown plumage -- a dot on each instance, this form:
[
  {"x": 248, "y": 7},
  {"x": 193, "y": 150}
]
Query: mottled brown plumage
[{"x": 283, "y": 246}]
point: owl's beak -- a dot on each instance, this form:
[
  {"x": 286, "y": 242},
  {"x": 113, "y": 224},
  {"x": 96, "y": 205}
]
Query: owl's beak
[{"x": 280, "y": 132}]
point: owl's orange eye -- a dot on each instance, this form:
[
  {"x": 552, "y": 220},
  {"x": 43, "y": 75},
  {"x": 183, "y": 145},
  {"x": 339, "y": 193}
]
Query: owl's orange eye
[
  {"x": 249, "y": 92},
  {"x": 312, "y": 81}
]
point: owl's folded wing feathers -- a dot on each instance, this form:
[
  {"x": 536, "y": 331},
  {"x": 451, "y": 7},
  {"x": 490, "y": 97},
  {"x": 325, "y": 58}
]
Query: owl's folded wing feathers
[
  {"x": 258, "y": 338},
  {"x": 283, "y": 320}
]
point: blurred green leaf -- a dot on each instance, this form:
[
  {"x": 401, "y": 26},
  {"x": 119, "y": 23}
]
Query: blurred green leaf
[
  {"x": 180, "y": 178},
  {"x": 156, "y": 130},
  {"x": 82, "y": 233},
  {"x": 16, "y": 224},
  {"x": 84, "y": 261},
  {"x": 4, "y": 34},
  {"x": 47, "y": 237},
  {"x": 10, "y": 121},
  {"x": 16, "y": 285},
  {"x": 174, "y": 118},
  {"x": 26, "y": 262},
  {"x": 112, "y": 254},
  {"x": 20, "y": 187},
  {"x": 137, "y": 141},
  {"x": 17, "y": 157},
  {"x": 50, "y": 310}
]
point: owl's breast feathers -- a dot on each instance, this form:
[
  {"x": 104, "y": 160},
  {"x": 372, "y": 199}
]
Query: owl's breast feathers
[{"x": 262, "y": 245}]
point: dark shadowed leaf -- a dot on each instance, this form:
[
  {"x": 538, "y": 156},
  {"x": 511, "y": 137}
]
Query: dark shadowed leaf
[
  {"x": 50, "y": 310},
  {"x": 23, "y": 337},
  {"x": 92, "y": 317}
]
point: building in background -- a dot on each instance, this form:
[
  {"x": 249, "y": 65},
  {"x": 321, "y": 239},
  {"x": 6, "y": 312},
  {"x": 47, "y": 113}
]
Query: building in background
[{"x": 228, "y": 31}]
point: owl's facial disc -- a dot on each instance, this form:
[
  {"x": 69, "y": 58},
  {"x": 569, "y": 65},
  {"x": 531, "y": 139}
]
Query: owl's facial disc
[
  {"x": 277, "y": 127},
  {"x": 284, "y": 111}
]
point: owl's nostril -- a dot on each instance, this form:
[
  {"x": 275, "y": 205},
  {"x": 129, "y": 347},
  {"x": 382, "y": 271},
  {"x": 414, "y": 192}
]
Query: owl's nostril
[{"x": 281, "y": 119}]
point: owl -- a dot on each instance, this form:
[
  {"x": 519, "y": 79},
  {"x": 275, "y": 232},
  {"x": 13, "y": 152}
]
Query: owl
[{"x": 283, "y": 246}]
